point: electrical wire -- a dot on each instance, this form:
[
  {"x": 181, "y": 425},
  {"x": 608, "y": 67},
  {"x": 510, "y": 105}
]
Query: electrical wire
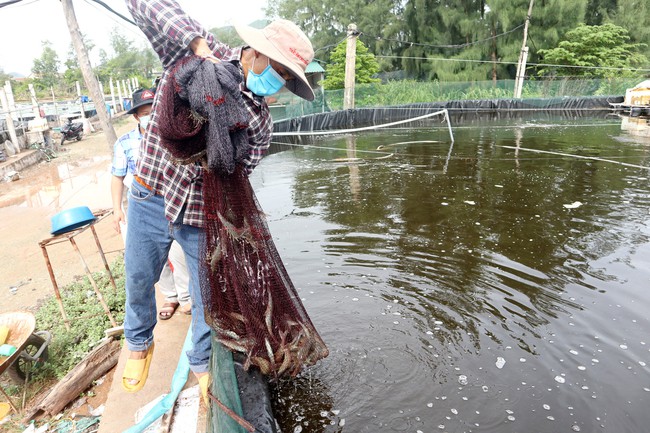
[
  {"x": 119, "y": 22},
  {"x": 100, "y": 2},
  {"x": 609, "y": 68},
  {"x": 468, "y": 44},
  {"x": 9, "y": 3},
  {"x": 327, "y": 46}
]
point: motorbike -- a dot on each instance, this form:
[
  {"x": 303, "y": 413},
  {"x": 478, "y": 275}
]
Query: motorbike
[{"x": 72, "y": 131}]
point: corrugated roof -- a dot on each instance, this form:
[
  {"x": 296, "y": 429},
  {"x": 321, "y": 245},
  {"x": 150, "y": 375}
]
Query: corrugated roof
[{"x": 314, "y": 67}]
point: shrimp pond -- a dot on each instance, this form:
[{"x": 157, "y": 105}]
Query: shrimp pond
[{"x": 499, "y": 283}]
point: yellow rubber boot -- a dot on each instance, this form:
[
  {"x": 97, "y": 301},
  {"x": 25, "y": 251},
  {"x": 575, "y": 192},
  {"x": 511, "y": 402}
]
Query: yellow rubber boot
[{"x": 4, "y": 334}]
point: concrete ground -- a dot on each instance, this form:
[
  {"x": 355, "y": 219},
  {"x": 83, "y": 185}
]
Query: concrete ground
[{"x": 121, "y": 407}]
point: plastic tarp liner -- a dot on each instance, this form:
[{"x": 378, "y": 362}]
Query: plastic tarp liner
[
  {"x": 244, "y": 392},
  {"x": 502, "y": 108}
]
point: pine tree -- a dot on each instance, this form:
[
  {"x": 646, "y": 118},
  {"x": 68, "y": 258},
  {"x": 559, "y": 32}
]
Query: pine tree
[
  {"x": 634, "y": 16},
  {"x": 365, "y": 67}
]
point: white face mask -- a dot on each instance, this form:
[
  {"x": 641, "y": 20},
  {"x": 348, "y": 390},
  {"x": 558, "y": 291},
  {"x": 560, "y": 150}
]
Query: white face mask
[{"x": 144, "y": 121}]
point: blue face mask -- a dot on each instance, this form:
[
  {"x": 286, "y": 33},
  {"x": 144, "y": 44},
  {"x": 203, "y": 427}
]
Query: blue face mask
[{"x": 267, "y": 83}]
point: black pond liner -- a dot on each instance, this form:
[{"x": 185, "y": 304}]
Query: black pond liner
[{"x": 495, "y": 108}]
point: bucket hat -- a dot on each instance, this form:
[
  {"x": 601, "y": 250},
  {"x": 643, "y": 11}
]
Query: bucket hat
[
  {"x": 141, "y": 97},
  {"x": 284, "y": 42}
]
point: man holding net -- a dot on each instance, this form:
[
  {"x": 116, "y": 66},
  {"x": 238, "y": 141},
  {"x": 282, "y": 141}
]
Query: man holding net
[{"x": 167, "y": 201}]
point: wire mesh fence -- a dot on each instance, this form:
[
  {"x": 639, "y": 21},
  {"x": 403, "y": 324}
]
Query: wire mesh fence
[{"x": 408, "y": 91}]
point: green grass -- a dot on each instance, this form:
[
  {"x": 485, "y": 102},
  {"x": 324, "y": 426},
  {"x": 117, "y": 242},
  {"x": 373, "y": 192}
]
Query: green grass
[
  {"x": 87, "y": 324},
  {"x": 87, "y": 320}
]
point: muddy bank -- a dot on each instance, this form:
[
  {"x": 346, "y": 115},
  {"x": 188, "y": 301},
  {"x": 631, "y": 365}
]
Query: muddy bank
[{"x": 79, "y": 176}]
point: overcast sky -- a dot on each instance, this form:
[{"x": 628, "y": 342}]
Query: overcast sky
[{"x": 24, "y": 25}]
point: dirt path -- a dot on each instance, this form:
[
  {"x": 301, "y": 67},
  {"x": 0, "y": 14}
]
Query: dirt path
[{"x": 80, "y": 176}]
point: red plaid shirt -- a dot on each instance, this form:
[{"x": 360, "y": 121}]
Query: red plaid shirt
[{"x": 170, "y": 32}]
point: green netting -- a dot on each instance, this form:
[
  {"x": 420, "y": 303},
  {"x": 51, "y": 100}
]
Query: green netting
[
  {"x": 226, "y": 389},
  {"x": 408, "y": 91}
]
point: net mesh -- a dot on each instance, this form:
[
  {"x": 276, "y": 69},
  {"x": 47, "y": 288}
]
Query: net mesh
[{"x": 250, "y": 300}]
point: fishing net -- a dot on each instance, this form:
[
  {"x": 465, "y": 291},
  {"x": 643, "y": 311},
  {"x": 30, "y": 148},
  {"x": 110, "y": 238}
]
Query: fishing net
[
  {"x": 252, "y": 303},
  {"x": 249, "y": 299}
]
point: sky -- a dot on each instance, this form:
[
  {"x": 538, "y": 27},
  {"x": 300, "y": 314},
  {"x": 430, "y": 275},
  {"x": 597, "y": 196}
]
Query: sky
[{"x": 24, "y": 25}]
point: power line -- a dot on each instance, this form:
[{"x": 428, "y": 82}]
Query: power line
[
  {"x": 609, "y": 68},
  {"x": 9, "y": 3},
  {"x": 116, "y": 13},
  {"x": 379, "y": 38},
  {"x": 119, "y": 22},
  {"x": 330, "y": 45}
]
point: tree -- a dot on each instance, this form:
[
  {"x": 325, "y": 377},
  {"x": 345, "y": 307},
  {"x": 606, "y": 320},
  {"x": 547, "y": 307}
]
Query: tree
[
  {"x": 46, "y": 68},
  {"x": 326, "y": 23},
  {"x": 365, "y": 67},
  {"x": 72, "y": 73},
  {"x": 599, "y": 11},
  {"x": 228, "y": 35},
  {"x": 4, "y": 77},
  {"x": 593, "y": 47},
  {"x": 634, "y": 16},
  {"x": 128, "y": 60}
]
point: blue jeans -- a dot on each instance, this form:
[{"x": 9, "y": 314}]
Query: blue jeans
[{"x": 149, "y": 238}]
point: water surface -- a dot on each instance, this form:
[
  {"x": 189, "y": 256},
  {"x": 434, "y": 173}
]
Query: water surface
[{"x": 476, "y": 286}]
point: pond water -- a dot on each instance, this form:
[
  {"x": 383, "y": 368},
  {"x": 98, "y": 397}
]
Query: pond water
[{"x": 478, "y": 286}]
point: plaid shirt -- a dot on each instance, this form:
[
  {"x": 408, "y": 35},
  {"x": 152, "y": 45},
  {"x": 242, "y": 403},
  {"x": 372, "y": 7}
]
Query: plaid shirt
[{"x": 170, "y": 32}]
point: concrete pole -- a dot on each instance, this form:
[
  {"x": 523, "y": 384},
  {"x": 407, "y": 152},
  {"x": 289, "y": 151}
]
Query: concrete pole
[
  {"x": 523, "y": 56},
  {"x": 12, "y": 103},
  {"x": 10, "y": 95},
  {"x": 35, "y": 109},
  {"x": 350, "y": 63},
  {"x": 9, "y": 120},
  {"x": 119, "y": 96},
  {"x": 113, "y": 97},
  {"x": 56, "y": 107},
  {"x": 83, "y": 110},
  {"x": 87, "y": 72},
  {"x": 37, "y": 115}
]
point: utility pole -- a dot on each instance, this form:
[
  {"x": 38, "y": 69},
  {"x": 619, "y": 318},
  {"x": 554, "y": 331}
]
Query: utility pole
[
  {"x": 87, "y": 72},
  {"x": 523, "y": 55},
  {"x": 350, "y": 63}
]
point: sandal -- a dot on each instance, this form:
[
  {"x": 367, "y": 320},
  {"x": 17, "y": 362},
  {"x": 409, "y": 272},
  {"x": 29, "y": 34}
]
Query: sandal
[
  {"x": 167, "y": 310},
  {"x": 204, "y": 384},
  {"x": 137, "y": 369}
]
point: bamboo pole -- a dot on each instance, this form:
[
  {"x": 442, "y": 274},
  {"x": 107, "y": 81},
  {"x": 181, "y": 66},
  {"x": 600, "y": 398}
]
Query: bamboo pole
[
  {"x": 93, "y": 283},
  {"x": 57, "y": 292},
  {"x": 101, "y": 253}
]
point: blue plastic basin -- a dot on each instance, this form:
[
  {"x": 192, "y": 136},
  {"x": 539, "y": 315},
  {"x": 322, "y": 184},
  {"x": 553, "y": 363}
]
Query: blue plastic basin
[{"x": 70, "y": 219}]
